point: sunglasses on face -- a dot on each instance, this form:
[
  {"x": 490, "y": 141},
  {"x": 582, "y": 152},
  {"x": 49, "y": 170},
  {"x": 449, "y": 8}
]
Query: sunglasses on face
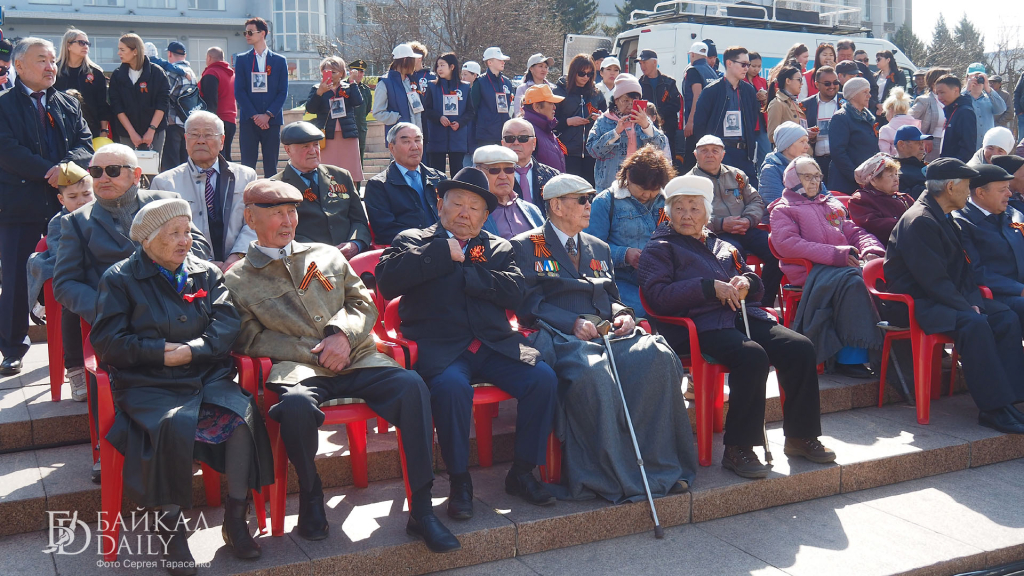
[
  {"x": 585, "y": 73},
  {"x": 251, "y": 32},
  {"x": 522, "y": 139},
  {"x": 83, "y": 43},
  {"x": 742, "y": 64},
  {"x": 584, "y": 199},
  {"x": 829, "y": 83},
  {"x": 113, "y": 170},
  {"x": 496, "y": 171}
]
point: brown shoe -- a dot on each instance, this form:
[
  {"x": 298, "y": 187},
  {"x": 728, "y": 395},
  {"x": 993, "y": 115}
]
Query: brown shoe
[
  {"x": 809, "y": 448},
  {"x": 744, "y": 462}
]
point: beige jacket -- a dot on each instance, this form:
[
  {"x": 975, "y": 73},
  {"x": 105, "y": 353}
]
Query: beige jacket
[
  {"x": 284, "y": 321},
  {"x": 734, "y": 196},
  {"x": 783, "y": 109}
]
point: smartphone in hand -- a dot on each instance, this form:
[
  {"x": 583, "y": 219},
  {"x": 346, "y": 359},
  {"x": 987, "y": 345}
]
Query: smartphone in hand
[
  {"x": 328, "y": 77},
  {"x": 640, "y": 105}
]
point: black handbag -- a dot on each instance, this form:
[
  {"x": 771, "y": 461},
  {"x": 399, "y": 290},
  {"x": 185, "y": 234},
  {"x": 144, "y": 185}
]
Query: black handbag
[{"x": 189, "y": 101}]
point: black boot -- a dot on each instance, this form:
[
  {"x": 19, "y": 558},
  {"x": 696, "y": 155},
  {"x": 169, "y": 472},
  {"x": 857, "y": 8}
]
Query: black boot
[
  {"x": 236, "y": 529},
  {"x": 312, "y": 515},
  {"x": 178, "y": 557}
]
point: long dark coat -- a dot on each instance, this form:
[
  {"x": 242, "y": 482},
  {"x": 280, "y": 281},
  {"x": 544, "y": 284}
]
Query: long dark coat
[{"x": 158, "y": 406}]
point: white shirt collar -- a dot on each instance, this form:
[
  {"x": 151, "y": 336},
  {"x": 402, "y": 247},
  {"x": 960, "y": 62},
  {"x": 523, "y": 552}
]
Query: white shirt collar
[
  {"x": 983, "y": 211},
  {"x": 29, "y": 92},
  {"x": 276, "y": 253},
  {"x": 563, "y": 237},
  {"x": 194, "y": 166}
]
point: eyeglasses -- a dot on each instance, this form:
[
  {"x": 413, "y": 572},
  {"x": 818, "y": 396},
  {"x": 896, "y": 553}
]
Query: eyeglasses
[
  {"x": 251, "y": 32},
  {"x": 496, "y": 171},
  {"x": 742, "y": 64},
  {"x": 816, "y": 177},
  {"x": 113, "y": 171},
  {"x": 583, "y": 200},
  {"x": 200, "y": 137},
  {"x": 585, "y": 73},
  {"x": 522, "y": 138},
  {"x": 83, "y": 43},
  {"x": 828, "y": 83}
]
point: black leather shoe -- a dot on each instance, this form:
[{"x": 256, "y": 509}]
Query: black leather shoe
[
  {"x": 312, "y": 523},
  {"x": 460, "y": 501},
  {"x": 178, "y": 558},
  {"x": 528, "y": 488},
  {"x": 435, "y": 535},
  {"x": 1000, "y": 420},
  {"x": 10, "y": 366},
  {"x": 235, "y": 530},
  {"x": 855, "y": 371},
  {"x": 1017, "y": 414}
]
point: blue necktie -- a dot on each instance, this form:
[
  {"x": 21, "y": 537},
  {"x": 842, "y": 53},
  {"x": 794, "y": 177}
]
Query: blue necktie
[{"x": 413, "y": 178}]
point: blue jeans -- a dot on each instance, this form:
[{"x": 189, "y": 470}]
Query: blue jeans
[
  {"x": 764, "y": 146},
  {"x": 1020, "y": 128}
]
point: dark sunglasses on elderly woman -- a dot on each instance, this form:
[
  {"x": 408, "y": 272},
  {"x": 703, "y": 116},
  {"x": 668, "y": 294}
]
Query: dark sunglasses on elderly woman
[
  {"x": 113, "y": 170},
  {"x": 496, "y": 171}
]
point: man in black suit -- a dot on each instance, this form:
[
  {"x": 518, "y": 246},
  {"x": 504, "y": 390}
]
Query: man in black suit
[
  {"x": 403, "y": 196},
  {"x": 40, "y": 128},
  {"x": 456, "y": 282},
  {"x": 331, "y": 211},
  {"x": 925, "y": 259},
  {"x": 519, "y": 136},
  {"x": 819, "y": 110}
]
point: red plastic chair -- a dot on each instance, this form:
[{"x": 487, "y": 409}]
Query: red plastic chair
[
  {"x": 985, "y": 292},
  {"x": 54, "y": 338},
  {"x": 485, "y": 404},
  {"x": 925, "y": 347},
  {"x": 790, "y": 294},
  {"x": 363, "y": 264},
  {"x": 374, "y": 245},
  {"x": 112, "y": 485}
]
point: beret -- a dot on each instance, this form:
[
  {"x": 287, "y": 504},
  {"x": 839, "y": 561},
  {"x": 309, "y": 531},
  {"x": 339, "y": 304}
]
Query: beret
[
  {"x": 1009, "y": 162},
  {"x": 155, "y": 214},
  {"x": 300, "y": 132},
  {"x": 989, "y": 173},
  {"x": 269, "y": 193},
  {"x": 949, "y": 169}
]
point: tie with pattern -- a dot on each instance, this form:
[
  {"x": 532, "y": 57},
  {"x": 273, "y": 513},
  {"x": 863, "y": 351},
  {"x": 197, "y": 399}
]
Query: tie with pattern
[
  {"x": 211, "y": 209},
  {"x": 524, "y": 183},
  {"x": 570, "y": 247},
  {"x": 40, "y": 109}
]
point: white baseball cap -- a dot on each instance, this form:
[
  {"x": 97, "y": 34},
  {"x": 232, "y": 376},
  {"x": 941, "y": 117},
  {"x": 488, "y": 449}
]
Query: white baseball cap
[
  {"x": 472, "y": 66},
  {"x": 403, "y": 51},
  {"x": 699, "y": 48},
  {"x": 610, "y": 61},
  {"x": 494, "y": 53}
]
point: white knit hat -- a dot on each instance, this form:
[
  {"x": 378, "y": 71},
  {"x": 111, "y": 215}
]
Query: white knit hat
[
  {"x": 155, "y": 214},
  {"x": 1001, "y": 137}
]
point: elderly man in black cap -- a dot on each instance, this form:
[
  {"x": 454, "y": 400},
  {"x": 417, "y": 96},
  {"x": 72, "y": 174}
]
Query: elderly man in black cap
[
  {"x": 356, "y": 71},
  {"x": 993, "y": 236},
  {"x": 331, "y": 211},
  {"x": 457, "y": 281},
  {"x": 327, "y": 352},
  {"x": 926, "y": 259},
  {"x": 1013, "y": 165}
]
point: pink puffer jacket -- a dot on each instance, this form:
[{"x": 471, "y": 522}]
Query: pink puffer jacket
[{"x": 818, "y": 229}]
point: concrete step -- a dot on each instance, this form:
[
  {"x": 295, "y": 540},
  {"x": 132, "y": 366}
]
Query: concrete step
[{"x": 876, "y": 448}]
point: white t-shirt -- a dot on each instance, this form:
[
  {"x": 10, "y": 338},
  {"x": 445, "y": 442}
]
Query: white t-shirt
[
  {"x": 134, "y": 74},
  {"x": 881, "y": 85},
  {"x": 825, "y": 112}
]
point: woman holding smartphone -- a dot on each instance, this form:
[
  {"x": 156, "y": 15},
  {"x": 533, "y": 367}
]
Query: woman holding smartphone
[
  {"x": 621, "y": 131},
  {"x": 334, "y": 103}
]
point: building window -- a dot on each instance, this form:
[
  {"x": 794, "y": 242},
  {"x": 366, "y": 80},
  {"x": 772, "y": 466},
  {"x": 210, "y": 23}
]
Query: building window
[
  {"x": 206, "y": 4},
  {"x": 362, "y": 14},
  {"x": 106, "y": 3},
  {"x": 171, "y": 4},
  {"x": 890, "y": 11},
  {"x": 867, "y": 9},
  {"x": 295, "y": 21}
]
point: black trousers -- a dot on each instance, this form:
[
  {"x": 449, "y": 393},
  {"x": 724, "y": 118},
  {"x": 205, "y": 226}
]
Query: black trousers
[
  {"x": 823, "y": 163},
  {"x": 71, "y": 334},
  {"x": 748, "y": 361},
  {"x": 397, "y": 395},
  {"x": 755, "y": 242},
  {"x": 582, "y": 166},
  {"x": 989, "y": 346},
  {"x": 174, "y": 153},
  {"x": 454, "y": 160},
  {"x": 251, "y": 138},
  {"x": 17, "y": 242},
  {"x": 229, "y": 137}
]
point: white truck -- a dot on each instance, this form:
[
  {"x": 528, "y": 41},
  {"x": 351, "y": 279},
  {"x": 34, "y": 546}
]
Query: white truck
[{"x": 770, "y": 30}]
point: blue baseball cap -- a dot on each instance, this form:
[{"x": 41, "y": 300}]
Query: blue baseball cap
[
  {"x": 176, "y": 48},
  {"x": 646, "y": 55},
  {"x": 911, "y": 133}
]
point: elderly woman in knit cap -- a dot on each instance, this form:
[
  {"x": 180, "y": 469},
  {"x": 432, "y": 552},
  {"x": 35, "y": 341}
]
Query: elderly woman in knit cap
[
  {"x": 687, "y": 271},
  {"x": 998, "y": 141},
  {"x": 164, "y": 328},
  {"x": 807, "y": 224},
  {"x": 791, "y": 141},
  {"x": 878, "y": 204},
  {"x": 851, "y": 136},
  {"x": 621, "y": 131}
]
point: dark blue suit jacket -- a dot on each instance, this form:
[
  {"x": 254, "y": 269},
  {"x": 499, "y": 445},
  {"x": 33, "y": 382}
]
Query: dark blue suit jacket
[
  {"x": 272, "y": 101},
  {"x": 393, "y": 206},
  {"x": 996, "y": 252}
]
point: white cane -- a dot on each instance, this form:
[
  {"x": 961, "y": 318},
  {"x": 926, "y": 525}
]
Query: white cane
[{"x": 764, "y": 430}]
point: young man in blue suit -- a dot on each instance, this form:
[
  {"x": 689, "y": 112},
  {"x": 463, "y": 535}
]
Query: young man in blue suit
[{"x": 261, "y": 85}]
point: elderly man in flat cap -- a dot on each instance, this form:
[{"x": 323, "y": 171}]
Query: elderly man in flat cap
[
  {"x": 1013, "y": 165},
  {"x": 331, "y": 211},
  {"x": 572, "y": 299},
  {"x": 456, "y": 282},
  {"x": 926, "y": 259},
  {"x": 512, "y": 215},
  {"x": 302, "y": 305}
]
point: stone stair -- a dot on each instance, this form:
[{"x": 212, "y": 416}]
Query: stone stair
[{"x": 46, "y": 458}]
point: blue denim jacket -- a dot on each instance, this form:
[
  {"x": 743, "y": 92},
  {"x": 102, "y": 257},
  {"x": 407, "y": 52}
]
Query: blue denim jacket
[
  {"x": 630, "y": 226},
  {"x": 611, "y": 155}
]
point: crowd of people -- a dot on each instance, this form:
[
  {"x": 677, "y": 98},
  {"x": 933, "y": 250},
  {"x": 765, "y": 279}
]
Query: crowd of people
[{"x": 580, "y": 206}]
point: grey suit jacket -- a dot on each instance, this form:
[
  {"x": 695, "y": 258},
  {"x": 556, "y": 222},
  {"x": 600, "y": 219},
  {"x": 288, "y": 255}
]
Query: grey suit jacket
[
  {"x": 561, "y": 297},
  {"x": 77, "y": 272}
]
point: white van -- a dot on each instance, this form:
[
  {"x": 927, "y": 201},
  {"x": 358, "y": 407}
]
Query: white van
[{"x": 674, "y": 25}]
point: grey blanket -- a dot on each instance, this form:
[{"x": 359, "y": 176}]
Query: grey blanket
[
  {"x": 598, "y": 455},
  {"x": 836, "y": 311}
]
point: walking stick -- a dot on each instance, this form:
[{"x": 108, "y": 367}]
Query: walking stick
[
  {"x": 604, "y": 328},
  {"x": 764, "y": 428}
]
